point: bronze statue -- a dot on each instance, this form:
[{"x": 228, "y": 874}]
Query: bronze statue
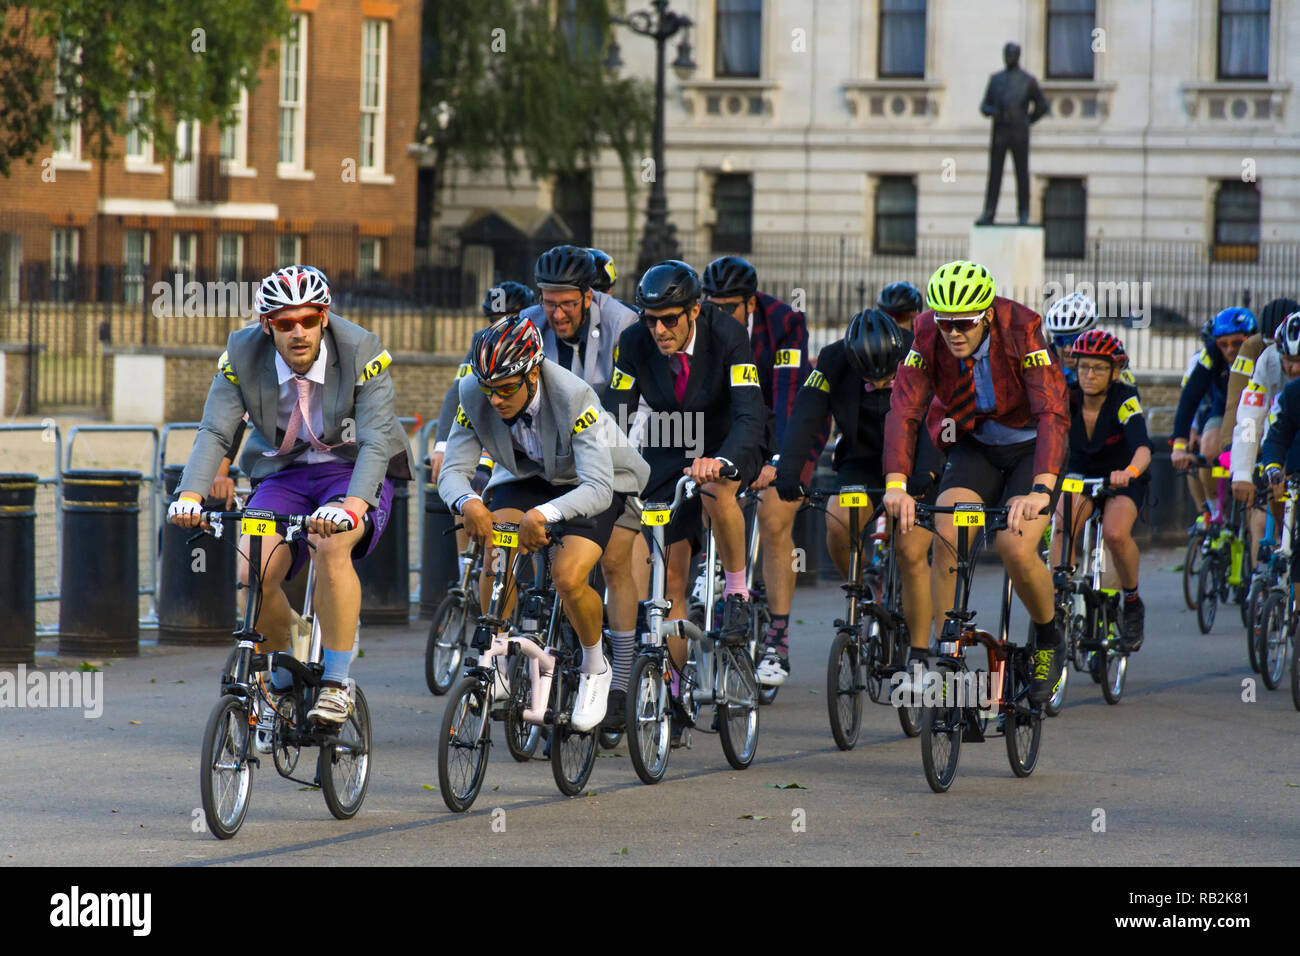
[{"x": 1014, "y": 100}]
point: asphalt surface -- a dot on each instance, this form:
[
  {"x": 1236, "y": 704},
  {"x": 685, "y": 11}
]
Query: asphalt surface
[{"x": 1182, "y": 771}]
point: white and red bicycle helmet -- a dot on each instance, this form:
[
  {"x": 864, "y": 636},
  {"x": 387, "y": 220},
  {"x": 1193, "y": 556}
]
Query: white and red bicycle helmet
[
  {"x": 509, "y": 346},
  {"x": 291, "y": 286}
]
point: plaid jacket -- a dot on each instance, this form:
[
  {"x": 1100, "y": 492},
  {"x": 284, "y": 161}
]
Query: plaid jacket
[{"x": 1027, "y": 383}]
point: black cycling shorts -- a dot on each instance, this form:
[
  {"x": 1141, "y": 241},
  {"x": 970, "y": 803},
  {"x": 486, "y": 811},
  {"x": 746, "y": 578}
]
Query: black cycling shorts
[
  {"x": 996, "y": 473},
  {"x": 530, "y": 492},
  {"x": 865, "y": 473},
  {"x": 688, "y": 522},
  {"x": 1135, "y": 490}
]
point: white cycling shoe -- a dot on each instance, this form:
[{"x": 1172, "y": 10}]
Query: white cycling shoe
[
  {"x": 593, "y": 694},
  {"x": 770, "y": 671}
]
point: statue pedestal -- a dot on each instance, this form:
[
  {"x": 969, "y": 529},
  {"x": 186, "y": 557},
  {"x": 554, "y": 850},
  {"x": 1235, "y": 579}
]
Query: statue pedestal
[{"x": 1014, "y": 256}]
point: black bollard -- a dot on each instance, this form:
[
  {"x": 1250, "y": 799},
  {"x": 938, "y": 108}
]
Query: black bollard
[
  {"x": 385, "y": 572},
  {"x": 17, "y": 570},
  {"x": 810, "y": 529},
  {"x": 196, "y": 581},
  {"x": 1169, "y": 509},
  {"x": 99, "y": 580},
  {"x": 439, "y": 562}
]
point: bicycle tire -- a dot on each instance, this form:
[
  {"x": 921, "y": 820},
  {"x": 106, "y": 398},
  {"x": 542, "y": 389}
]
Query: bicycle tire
[
  {"x": 1115, "y": 666},
  {"x": 760, "y": 616},
  {"x": 1254, "y": 604},
  {"x": 521, "y": 736},
  {"x": 226, "y": 790},
  {"x": 573, "y": 753},
  {"x": 465, "y": 727},
  {"x": 738, "y": 716},
  {"x": 1056, "y": 702},
  {"x": 1273, "y": 640},
  {"x": 1295, "y": 680},
  {"x": 909, "y": 720},
  {"x": 1242, "y": 591},
  {"x": 609, "y": 739},
  {"x": 1191, "y": 570},
  {"x": 649, "y": 731},
  {"x": 228, "y": 670},
  {"x": 1207, "y": 596},
  {"x": 843, "y": 691},
  {"x": 445, "y": 647},
  {"x": 285, "y": 755},
  {"x": 1023, "y": 729},
  {"x": 941, "y": 733},
  {"x": 343, "y": 766}
]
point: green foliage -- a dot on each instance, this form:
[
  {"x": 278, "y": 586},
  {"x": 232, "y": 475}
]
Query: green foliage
[
  {"x": 509, "y": 87},
  {"x": 190, "y": 56}
]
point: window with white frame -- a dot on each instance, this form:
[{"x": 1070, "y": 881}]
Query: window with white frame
[
  {"x": 293, "y": 94},
  {"x": 135, "y": 265},
  {"x": 139, "y": 148},
  {"x": 185, "y": 254},
  {"x": 288, "y": 251},
  {"x": 67, "y": 132},
  {"x": 374, "y": 93},
  {"x": 234, "y": 135},
  {"x": 230, "y": 257},
  {"x": 368, "y": 261},
  {"x": 64, "y": 250}
]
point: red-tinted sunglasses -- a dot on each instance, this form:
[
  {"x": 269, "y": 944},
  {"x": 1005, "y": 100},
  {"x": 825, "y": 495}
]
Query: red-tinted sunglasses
[
  {"x": 957, "y": 325},
  {"x": 306, "y": 321}
]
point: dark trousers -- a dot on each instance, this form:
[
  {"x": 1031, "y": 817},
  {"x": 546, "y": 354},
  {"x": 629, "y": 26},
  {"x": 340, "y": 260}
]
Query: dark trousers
[{"x": 1016, "y": 140}]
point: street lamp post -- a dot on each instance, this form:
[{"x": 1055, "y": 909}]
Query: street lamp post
[{"x": 659, "y": 241}]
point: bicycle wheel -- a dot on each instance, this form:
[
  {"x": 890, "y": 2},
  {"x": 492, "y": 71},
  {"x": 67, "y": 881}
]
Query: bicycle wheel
[
  {"x": 344, "y": 762},
  {"x": 446, "y": 643},
  {"x": 1207, "y": 595},
  {"x": 909, "y": 719},
  {"x": 941, "y": 730},
  {"x": 225, "y": 774},
  {"x": 1295, "y": 681},
  {"x": 572, "y": 753},
  {"x": 1057, "y": 700},
  {"x": 1242, "y": 591},
  {"x": 1115, "y": 666},
  {"x": 844, "y": 690},
  {"x": 1191, "y": 571},
  {"x": 463, "y": 745},
  {"x": 1273, "y": 640},
  {"x": 1022, "y": 728},
  {"x": 521, "y": 736},
  {"x": 1254, "y": 605},
  {"x": 649, "y": 735},
  {"x": 738, "y": 715},
  {"x": 283, "y": 753},
  {"x": 228, "y": 670}
]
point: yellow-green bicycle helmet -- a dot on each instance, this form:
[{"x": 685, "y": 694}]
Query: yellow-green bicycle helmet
[{"x": 960, "y": 286}]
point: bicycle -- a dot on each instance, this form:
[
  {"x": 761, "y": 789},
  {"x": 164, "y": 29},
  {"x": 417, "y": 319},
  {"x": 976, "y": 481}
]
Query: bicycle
[
  {"x": 1216, "y": 554},
  {"x": 1272, "y": 565},
  {"x": 714, "y": 673},
  {"x": 1279, "y": 617},
  {"x": 540, "y": 692},
  {"x": 1087, "y": 614},
  {"x": 964, "y": 699},
  {"x": 226, "y": 765},
  {"x": 450, "y": 630}
]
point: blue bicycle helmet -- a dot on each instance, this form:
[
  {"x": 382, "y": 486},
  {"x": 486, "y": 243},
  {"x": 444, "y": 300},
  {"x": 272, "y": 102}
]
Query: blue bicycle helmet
[{"x": 1233, "y": 321}]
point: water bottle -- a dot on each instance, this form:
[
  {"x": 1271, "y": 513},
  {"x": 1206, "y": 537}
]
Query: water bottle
[{"x": 1234, "y": 573}]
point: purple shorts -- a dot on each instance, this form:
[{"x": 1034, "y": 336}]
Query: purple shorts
[{"x": 301, "y": 489}]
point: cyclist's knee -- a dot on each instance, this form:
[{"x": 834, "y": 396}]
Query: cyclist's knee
[{"x": 569, "y": 581}]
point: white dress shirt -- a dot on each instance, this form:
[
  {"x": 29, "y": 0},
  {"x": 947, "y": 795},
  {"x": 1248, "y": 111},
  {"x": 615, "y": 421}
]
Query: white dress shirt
[{"x": 315, "y": 404}]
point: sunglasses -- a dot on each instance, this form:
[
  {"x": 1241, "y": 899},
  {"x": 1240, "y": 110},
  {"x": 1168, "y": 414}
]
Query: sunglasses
[
  {"x": 501, "y": 391},
  {"x": 306, "y": 321},
  {"x": 957, "y": 325},
  {"x": 667, "y": 321},
  {"x": 1236, "y": 342}
]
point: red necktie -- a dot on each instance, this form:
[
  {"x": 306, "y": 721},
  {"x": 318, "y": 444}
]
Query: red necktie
[
  {"x": 683, "y": 375},
  {"x": 962, "y": 405}
]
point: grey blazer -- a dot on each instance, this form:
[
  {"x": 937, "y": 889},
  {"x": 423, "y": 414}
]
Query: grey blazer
[
  {"x": 358, "y": 395},
  {"x": 582, "y": 445},
  {"x": 609, "y": 317}
]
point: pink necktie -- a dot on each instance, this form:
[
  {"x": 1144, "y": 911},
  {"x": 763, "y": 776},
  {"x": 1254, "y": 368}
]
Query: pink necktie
[
  {"x": 683, "y": 374},
  {"x": 297, "y": 419}
]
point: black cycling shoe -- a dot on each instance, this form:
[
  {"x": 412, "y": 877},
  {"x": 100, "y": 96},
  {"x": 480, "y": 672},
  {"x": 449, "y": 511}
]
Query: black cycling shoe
[
  {"x": 735, "y": 621},
  {"x": 1134, "y": 615},
  {"x": 1047, "y": 674},
  {"x": 615, "y": 712}
]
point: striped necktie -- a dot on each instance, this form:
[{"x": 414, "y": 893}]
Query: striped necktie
[{"x": 961, "y": 407}]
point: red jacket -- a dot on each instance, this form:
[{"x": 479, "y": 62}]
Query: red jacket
[{"x": 1027, "y": 382}]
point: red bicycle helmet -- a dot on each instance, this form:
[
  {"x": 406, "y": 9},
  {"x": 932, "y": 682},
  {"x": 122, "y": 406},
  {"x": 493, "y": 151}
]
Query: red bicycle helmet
[
  {"x": 1098, "y": 343},
  {"x": 509, "y": 346}
]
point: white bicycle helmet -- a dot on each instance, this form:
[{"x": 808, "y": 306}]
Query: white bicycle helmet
[
  {"x": 1287, "y": 337},
  {"x": 1071, "y": 315},
  {"x": 290, "y": 286}
]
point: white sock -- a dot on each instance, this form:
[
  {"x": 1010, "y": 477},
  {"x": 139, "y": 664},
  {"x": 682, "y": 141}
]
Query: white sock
[{"x": 593, "y": 659}]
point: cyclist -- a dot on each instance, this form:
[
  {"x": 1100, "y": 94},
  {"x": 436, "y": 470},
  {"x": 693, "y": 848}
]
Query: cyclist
[
  {"x": 320, "y": 386},
  {"x": 1243, "y": 367},
  {"x": 778, "y": 336},
  {"x": 995, "y": 397},
  {"x": 902, "y": 302},
  {"x": 693, "y": 366},
  {"x": 559, "y": 460},
  {"x": 1108, "y": 439},
  {"x": 1210, "y": 376},
  {"x": 1067, "y": 319},
  {"x": 853, "y": 384}
]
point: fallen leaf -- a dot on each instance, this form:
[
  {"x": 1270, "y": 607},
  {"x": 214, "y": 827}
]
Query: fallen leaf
[
  {"x": 178, "y": 682},
  {"x": 360, "y": 654},
  {"x": 497, "y": 787},
  {"x": 86, "y": 666},
  {"x": 429, "y": 786},
  {"x": 153, "y": 680},
  {"x": 787, "y": 786},
  {"x": 622, "y": 852},
  {"x": 309, "y": 789},
  {"x": 751, "y": 816},
  {"x": 136, "y": 722}
]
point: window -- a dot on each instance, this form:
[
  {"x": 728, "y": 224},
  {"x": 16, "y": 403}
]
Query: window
[
  {"x": 234, "y": 135},
  {"x": 368, "y": 262},
  {"x": 374, "y": 84},
  {"x": 1243, "y": 39},
  {"x": 67, "y": 131},
  {"x": 185, "y": 254},
  {"x": 581, "y": 36},
  {"x": 733, "y": 203},
  {"x": 1065, "y": 204},
  {"x": 902, "y": 39},
  {"x": 572, "y": 201},
  {"x": 139, "y": 150},
  {"x": 64, "y": 247},
  {"x": 738, "y": 38},
  {"x": 1069, "y": 39},
  {"x": 230, "y": 257},
  {"x": 293, "y": 94},
  {"x": 288, "y": 251},
  {"x": 1236, "y": 221},
  {"x": 135, "y": 266},
  {"x": 896, "y": 216}
]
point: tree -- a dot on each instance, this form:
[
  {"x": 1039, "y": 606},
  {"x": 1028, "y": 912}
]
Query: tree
[
  {"x": 501, "y": 80},
  {"x": 188, "y": 58}
]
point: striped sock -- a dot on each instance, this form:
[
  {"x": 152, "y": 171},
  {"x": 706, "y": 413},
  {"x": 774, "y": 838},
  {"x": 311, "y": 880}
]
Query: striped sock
[{"x": 624, "y": 649}]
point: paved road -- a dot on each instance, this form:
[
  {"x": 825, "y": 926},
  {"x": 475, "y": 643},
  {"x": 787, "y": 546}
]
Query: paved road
[{"x": 1184, "y": 770}]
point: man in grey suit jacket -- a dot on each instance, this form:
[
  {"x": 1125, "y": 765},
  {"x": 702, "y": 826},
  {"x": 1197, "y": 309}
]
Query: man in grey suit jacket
[
  {"x": 559, "y": 456},
  {"x": 321, "y": 387}
]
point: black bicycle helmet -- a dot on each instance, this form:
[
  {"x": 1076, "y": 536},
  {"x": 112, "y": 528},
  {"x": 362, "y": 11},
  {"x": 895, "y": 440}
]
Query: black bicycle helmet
[
  {"x": 1273, "y": 313},
  {"x": 507, "y": 298},
  {"x": 874, "y": 345},
  {"x": 565, "y": 267},
  {"x": 605, "y": 273},
  {"x": 900, "y": 298},
  {"x": 729, "y": 276},
  {"x": 669, "y": 284}
]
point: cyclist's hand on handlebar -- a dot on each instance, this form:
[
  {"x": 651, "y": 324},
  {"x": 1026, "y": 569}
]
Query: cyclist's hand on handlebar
[
  {"x": 1243, "y": 490},
  {"x": 1026, "y": 508},
  {"x": 901, "y": 506},
  {"x": 477, "y": 520},
  {"x": 1181, "y": 459},
  {"x": 1120, "y": 479},
  {"x": 186, "y": 513},
  {"x": 765, "y": 477},
  {"x": 329, "y": 519},
  {"x": 704, "y": 470},
  {"x": 532, "y": 531}
]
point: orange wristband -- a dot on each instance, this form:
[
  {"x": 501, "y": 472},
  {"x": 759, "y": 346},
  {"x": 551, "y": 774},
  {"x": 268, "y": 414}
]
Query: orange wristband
[{"x": 1133, "y": 471}]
